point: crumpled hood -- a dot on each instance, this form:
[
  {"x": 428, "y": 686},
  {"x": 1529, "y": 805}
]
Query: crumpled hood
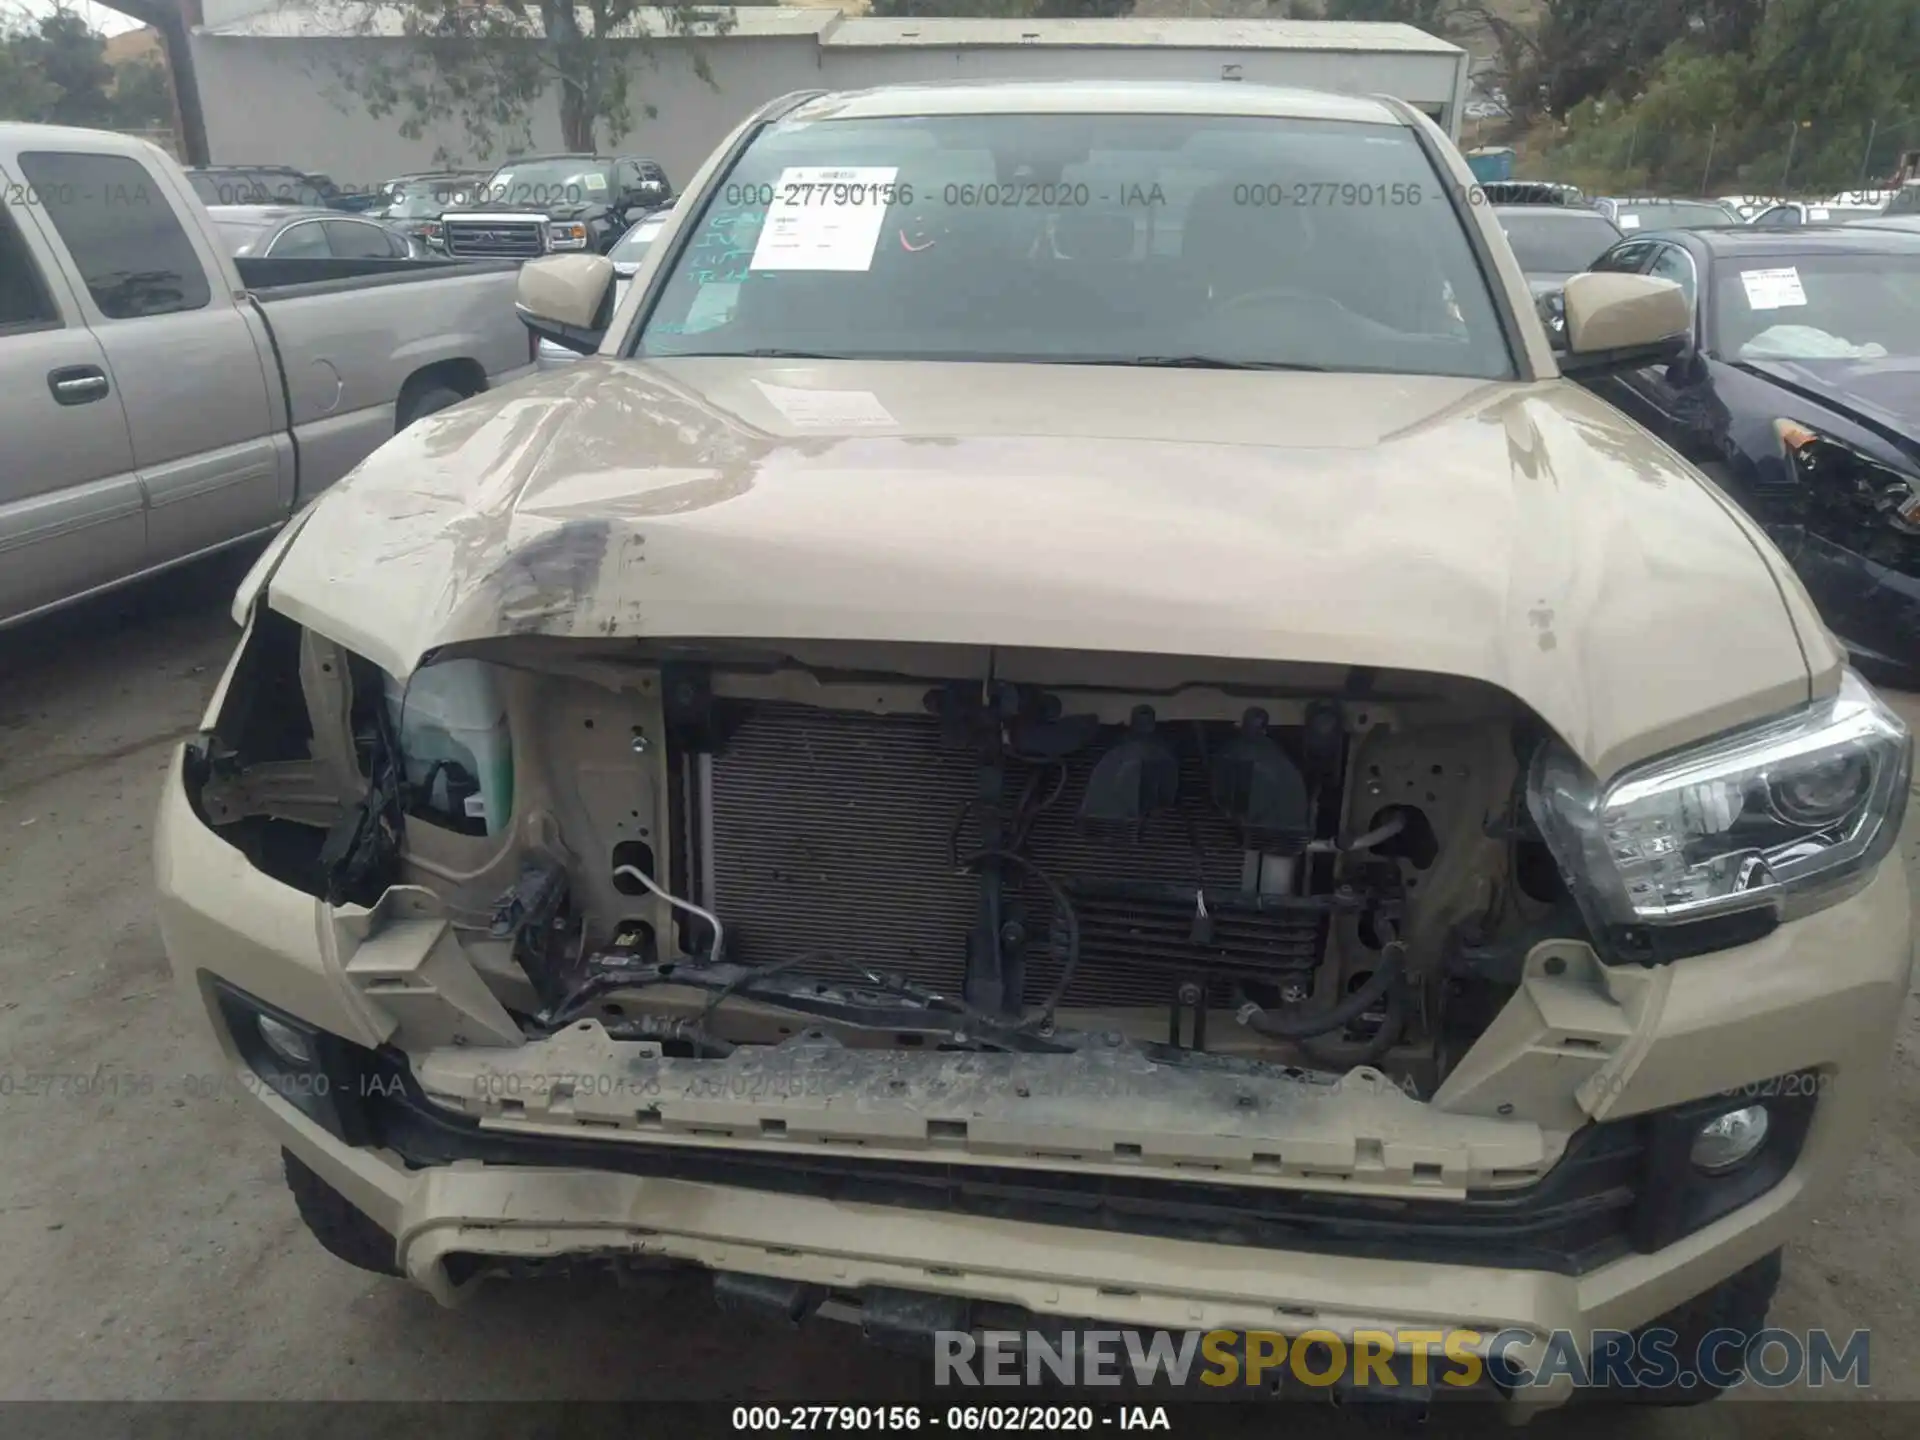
[
  {"x": 1883, "y": 392},
  {"x": 1526, "y": 535}
]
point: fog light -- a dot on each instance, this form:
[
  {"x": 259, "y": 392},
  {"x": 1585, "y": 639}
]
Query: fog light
[
  {"x": 1730, "y": 1139},
  {"x": 286, "y": 1042}
]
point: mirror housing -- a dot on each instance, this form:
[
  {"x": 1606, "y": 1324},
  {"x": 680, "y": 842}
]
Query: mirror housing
[
  {"x": 1623, "y": 322},
  {"x": 567, "y": 299}
]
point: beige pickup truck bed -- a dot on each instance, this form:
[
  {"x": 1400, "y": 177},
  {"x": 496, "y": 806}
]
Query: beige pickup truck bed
[{"x": 161, "y": 400}]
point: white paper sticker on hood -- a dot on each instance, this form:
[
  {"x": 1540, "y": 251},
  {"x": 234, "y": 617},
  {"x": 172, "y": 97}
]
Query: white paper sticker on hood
[
  {"x": 824, "y": 218},
  {"x": 827, "y": 409},
  {"x": 1773, "y": 289}
]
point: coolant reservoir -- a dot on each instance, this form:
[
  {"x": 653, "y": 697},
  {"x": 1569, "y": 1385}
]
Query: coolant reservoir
[{"x": 452, "y": 725}]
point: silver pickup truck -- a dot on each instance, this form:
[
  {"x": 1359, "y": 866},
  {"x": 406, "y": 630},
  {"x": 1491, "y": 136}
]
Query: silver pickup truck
[{"x": 160, "y": 400}]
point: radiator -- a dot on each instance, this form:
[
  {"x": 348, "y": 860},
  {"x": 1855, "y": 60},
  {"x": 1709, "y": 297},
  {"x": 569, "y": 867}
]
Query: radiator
[{"x": 836, "y": 831}]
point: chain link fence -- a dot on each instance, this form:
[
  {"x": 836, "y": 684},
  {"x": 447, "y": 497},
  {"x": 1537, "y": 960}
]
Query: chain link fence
[{"x": 1807, "y": 160}]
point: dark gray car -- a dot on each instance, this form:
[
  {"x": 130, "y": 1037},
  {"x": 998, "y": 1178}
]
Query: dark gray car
[
  {"x": 291, "y": 232},
  {"x": 1552, "y": 243},
  {"x": 1666, "y": 213}
]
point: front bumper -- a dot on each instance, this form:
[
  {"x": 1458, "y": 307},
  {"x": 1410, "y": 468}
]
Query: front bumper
[{"x": 1821, "y": 995}]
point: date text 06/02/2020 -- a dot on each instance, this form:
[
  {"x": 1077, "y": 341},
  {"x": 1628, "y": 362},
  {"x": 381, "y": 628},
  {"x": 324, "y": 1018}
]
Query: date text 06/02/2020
[{"x": 956, "y": 1419}]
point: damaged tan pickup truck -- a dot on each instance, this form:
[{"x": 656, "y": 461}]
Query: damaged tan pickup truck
[{"x": 1058, "y": 724}]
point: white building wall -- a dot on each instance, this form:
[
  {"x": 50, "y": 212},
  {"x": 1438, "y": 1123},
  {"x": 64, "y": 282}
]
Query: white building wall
[
  {"x": 1423, "y": 79},
  {"x": 282, "y": 100}
]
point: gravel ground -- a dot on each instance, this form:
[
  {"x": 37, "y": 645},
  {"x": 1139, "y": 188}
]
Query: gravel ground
[{"x": 148, "y": 1250}]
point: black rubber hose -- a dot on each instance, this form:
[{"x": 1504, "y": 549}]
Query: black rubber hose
[
  {"x": 741, "y": 984},
  {"x": 742, "y": 987},
  {"x": 1298, "y": 1026},
  {"x": 1054, "y": 996},
  {"x": 1349, "y": 1053}
]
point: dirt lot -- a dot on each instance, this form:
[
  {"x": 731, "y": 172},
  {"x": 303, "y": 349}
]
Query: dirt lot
[{"x": 149, "y": 1251}]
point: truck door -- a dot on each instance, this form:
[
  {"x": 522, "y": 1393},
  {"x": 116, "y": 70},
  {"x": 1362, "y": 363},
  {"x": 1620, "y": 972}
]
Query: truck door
[
  {"x": 190, "y": 376},
  {"x": 72, "y": 516}
]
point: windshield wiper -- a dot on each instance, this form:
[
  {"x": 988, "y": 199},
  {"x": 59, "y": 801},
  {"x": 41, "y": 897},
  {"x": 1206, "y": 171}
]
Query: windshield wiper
[
  {"x": 789, "y": 355},
  {"x": 1208, "y": 363}
]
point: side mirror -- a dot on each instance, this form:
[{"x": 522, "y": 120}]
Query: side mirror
[
  {"x": 1623, "y": 322},
  {"x": 567, "y": 299}
]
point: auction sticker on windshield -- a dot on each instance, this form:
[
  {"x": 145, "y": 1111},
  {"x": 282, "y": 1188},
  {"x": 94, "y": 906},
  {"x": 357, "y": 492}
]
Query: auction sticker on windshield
[
  {"x": 824, "y": 218},
  {"x": 1773, "y": 289}
]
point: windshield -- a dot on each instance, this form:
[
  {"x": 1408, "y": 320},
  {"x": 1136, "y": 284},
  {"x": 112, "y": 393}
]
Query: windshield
[
  {"x": 1673, "y": 215},
  {"x": 1121, "y": 239},
  {"x": 1817, "y": 307},
  {"x": 425, "y": 199},
  {"x": 1557, "y": 243},
  {"x": 577, "y": 181},
  {"x": 632, "y": 247}
]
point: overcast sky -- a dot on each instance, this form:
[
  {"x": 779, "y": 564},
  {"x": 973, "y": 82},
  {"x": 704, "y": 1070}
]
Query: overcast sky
[{"x": 108, "y": 22}]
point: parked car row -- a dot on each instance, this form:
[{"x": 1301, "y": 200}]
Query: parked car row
[
  {"x": 533, "y": 205},
  {"x": 1675, "y": 212}
]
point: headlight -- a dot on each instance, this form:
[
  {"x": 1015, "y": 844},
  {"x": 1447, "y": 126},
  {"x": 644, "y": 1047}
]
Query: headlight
[
  {"x": 1771, "y": 818},
  {"x": 1847, "y": 475},
  {"x": 566, "y": 237}
]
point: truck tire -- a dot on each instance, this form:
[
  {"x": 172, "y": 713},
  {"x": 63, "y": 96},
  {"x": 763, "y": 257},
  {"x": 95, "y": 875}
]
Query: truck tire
[
  {"x": 341, "y": 1228},
  {"x": 1739, "y": 1302},
  {"x": 425, "y": 401}
]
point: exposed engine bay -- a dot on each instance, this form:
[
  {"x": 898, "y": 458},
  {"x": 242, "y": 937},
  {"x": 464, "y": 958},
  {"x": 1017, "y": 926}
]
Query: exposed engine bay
[{"x": 729, "y": 847}]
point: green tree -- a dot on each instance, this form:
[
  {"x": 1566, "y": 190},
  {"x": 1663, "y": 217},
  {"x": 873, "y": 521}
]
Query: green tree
[
  {"x": 25, "y": 94},
  {"x": 1811, "y": 102},
  {"x": 53, "y": 71},
  {"x": 1589, "y": 48},
  {"x": 485, "y": 67},
  {"x": 142, "y": 95},
  {"x": 1429, "y": 15}
]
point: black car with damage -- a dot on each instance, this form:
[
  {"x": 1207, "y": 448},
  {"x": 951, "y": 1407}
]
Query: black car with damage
[
  {"x": 1800, "y": 395},
  {"x": 541, "y": 204}
]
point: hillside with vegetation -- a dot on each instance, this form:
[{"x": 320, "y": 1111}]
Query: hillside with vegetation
[{"x": 1626, "y": 96}]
